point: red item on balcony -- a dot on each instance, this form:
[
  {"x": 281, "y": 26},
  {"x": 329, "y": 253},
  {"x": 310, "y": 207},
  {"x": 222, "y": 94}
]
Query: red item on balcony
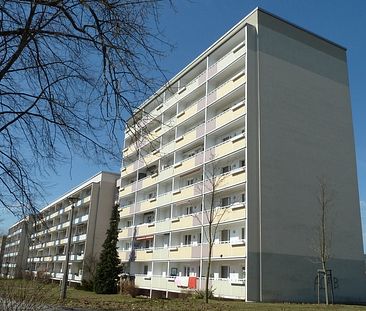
[{"x": 192, "y": 282}]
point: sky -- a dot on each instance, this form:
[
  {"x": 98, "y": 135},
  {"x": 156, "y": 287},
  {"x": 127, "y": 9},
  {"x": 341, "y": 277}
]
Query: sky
[{"x": 194, "y": 25}]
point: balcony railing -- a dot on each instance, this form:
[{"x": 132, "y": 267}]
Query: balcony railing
[
  {"x": 226, "y": 60},
  {"x": 226, "y": 87},
  {"x": 223, "y": 287}
]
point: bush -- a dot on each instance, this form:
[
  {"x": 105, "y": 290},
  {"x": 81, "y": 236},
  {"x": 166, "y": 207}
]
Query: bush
[
  {"x": 129, "y": 288},
  {"x": 201, "y": 293},
  {"x": 26, "y": 295}
]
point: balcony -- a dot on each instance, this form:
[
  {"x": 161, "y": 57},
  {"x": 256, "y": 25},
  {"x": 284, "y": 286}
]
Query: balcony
[
  {"x": 143, "y": 254},
  {"x": 190, "y": 136},
  {"x": 226, "y": 88},
  {"x": 124, "y": 255},
  {"x": 125, "y": 233},
  {"x": 129, "y": 168},
  {"x": 126, "y": 210},
  {"x": 191, "y": 110},
  {"x": 146, "y": 205},
  {"x": 161, "y": 253},
  {"x": 77, "y": 257},
  {"x": 227, "y": 214},
  {"x": 189, "y": 163},
  {"x": 128, "y": 189},
  {"x": 168, "y": 148},
  {"x": 79, "y": 238},
  {"x": 145, "y": 229},
  {"x": 234, "y": 178},
  {"x": 184, "y": 252},
  {"x": 226, "y": 117},
  {"x": 162, "y": 226},
  {"x": 149, "y": 158},
  {"x": 187, "y": 192},
  {"x": 147, "y": 181},
  {"x": 143, "y": 281},
  {"x": 81, "y": 219},
  {"x": 185, "y": 90},
  {"x": 186, "y": 221},
  {"x": 226, "y": 249},
  {"x": 164, "y": 199},
  {"x": 236, "y": 143},
  {"x": 159, "y": 282},
  {"x": 226, "y": 60},
  {"x": 226, "y": 288},
  {"x": 165, "y": 174}
]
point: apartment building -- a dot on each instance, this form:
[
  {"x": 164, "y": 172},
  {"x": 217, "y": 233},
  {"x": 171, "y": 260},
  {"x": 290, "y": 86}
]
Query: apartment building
[
  {"x": 16, "y": 243},
  {"x": 2, "y": 249},
  {"x": 94, "y": 200},
  {"x": 248, "y": 127}
]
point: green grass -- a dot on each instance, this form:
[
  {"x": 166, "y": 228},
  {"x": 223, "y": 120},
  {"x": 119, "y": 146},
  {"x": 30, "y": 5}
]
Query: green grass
[
  {"x": 76, "y": 298},
  {"x": 83, "y": 299}
]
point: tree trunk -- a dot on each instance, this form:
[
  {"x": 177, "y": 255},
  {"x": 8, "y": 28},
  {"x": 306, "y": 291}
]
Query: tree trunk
[
  {"x": 325, "y": 283},
  {"x": 208, "y": 271}
]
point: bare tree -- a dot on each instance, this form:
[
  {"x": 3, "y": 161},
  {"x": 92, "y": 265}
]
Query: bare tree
[
  {"x": 212, "y": 215},
  {"x": 323, "y": 245},
  {"x": 89, "y": 271},
  {"x": 71, "y": 72}
]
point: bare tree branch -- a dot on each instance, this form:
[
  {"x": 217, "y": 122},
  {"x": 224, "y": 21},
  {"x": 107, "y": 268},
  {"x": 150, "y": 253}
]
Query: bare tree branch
[{"x": 71, "y": 73}]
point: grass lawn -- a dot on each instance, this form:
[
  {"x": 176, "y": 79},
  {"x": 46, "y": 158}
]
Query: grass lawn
[
  {"x": 83, "y": 299},
  {"x": 76, "y": 298}
]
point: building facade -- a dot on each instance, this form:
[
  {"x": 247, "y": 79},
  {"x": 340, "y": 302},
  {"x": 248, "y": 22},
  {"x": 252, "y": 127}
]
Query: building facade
[
  {"x": 2, "y": 249},
  {"x": 47, "y": 250},
  {"x": 247, "y": 129},
  {"x": 14, "y": 259}
]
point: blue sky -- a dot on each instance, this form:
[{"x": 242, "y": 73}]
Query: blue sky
[{"x": 196, "y": 24}]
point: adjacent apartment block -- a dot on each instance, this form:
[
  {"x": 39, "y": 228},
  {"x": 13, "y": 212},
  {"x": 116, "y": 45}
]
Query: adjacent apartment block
[
  {"x": 47, "y": 250},
  {"x": 2, "y": 249},
  {"x": 14, "y": 259},
  {"x": 249, "y": 127}
]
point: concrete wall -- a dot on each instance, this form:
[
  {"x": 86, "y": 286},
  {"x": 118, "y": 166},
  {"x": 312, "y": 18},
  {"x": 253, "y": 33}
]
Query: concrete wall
[
  {"x": 101, "y": 204},
  {"x": 305, "y": 132}
]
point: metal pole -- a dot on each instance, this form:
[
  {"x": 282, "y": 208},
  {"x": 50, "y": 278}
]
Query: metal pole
[{"x": 68, "y": 246}]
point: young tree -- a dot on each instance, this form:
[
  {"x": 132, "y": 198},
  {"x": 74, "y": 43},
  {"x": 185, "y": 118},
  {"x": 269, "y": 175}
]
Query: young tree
[
  {"x": 70, "y": 73},
  {"x": 108, "y": 268},
  {"x": 213, "y": 179},
  {"x": 323, "y": 248}
]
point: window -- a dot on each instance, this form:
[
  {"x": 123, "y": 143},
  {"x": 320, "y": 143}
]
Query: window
[
  {"x": 187, "y": 239},
  {"x": 226, "y": 138},
  {"x": 225, "y": 271},
  {"x": 146, "y": 269},
  {"x": 189, "y": 210},
  {"x": 243, "y": 197},
  {"x": 242, "y": 233},
  {"x": 148, "y": 243},
  {"x": 129, "y": 223},
  {"x": 242, "y": 163},
  {"x": 225, "y": 235},
  {"x": 225, "y": 201},
  {"x": 226, "y": 169},
  {"x": 149, "y": 217},
  {"x": 187, "y": 271},
  {"x": 173, "y": 271},
  {"x": 190, "y": 182},
  {"x": 152, "y": 195}
]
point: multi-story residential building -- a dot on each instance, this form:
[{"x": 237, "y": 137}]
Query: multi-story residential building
[
  {"x": 16, "y": 249},
  {"x": 2, "y": 249},
  {"x": 47, "y": 251},
  {"x": 266, "y": 109}
]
